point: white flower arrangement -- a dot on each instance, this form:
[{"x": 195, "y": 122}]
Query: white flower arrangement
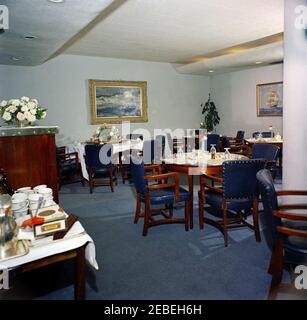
[
  {"x": 23, "y": 110},
  {"x": 106, "y": 132}
]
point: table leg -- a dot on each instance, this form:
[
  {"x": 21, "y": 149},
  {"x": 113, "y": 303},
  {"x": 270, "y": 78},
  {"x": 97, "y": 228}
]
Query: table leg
[
  {"x": 190, "y": 178},
  {"x": 80, "y": 274}
]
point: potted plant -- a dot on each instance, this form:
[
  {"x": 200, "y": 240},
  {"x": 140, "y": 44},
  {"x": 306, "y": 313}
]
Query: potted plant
[{"x": 211, "y": 117}]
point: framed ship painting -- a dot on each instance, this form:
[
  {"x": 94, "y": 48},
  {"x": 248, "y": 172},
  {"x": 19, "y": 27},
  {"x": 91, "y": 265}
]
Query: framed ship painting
[
  {"x": 270, "y": 99},
  {"x": 118, "y": 101}
]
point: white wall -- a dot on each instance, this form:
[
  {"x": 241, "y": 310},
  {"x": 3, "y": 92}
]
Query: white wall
[
  {"x": 235, "y": 97},
  {"x": 62, "y": 86},
  {"x": 295, "y": 97}
]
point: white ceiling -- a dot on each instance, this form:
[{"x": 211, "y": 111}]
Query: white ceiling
[
  {"x": 264, "y": 55},
  {"x": 177, "y": 30},
  {"x": 53, "y": 24},
  {"x": 173, "y": 31}
]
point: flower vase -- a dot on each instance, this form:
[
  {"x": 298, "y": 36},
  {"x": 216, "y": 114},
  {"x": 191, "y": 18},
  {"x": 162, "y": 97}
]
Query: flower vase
[{"x": 22, "y": 124}]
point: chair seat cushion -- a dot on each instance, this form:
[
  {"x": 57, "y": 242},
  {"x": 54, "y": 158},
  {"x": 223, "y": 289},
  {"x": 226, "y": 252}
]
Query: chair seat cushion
[
  {"x": 216, "y": 200},
  {"x": 102, "y": 172},
  {"x": 166, "y": 195},
  {"x": 69, "y": 167}
]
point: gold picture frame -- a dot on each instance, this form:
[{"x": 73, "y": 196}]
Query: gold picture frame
[
  {"x": 270, "y": 99},
  {"x": 117, "y": 101}
]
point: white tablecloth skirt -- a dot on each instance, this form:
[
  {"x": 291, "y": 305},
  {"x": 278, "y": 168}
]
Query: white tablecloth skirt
[{"x": 75, "y": 238}]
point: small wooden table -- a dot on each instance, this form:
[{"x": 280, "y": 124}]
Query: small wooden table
[
  {"x": 77, "y": 255},
  {"x": 187, "y": 169}
]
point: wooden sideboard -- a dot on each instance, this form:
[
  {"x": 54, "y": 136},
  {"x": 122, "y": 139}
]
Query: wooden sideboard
[{"x": 28, "y": 156}]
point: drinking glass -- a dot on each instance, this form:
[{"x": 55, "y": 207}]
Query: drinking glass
[
  {"x": 212, "y": 151},
  {"x": 227, "y": 154}
]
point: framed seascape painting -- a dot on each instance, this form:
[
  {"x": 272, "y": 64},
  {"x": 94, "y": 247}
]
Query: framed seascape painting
[
  {"x": 118, "y": 101},
  {"x": 270, "y": 99}
]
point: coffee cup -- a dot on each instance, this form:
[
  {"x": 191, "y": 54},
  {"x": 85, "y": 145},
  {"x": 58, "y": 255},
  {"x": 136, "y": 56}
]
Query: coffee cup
[
  {"x": 20, "y": 213},
  {"x": 23, "y": 189},
  {"x": 45, "y": 192},
  {"x": 19, "y": 201},
  {"x": 48, "y": 202},
  {"x": 41, "y": 186}
]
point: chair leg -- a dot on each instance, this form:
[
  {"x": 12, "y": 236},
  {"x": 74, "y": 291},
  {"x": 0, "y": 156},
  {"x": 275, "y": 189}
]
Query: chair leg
[
  {"x": 171, "y": 210},
  {"x": 112, "y": 181},
  {"x": 201, "y": 213},
  {"x": 225, "y": 231},
  {"x": 137, "y": 210},
  {"x": 116, "y": 177},
  {"x": 186, "y": 215},
  {"x": 256, "y": 219},
  {"x": 146, "y": 215},
  {"x": 277, "y": 269},
  {"x": 91, "y": 183}
]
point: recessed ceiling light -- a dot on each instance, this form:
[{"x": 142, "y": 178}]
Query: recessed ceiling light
[
  {"x": 30, "y": 37},
  {"x": 258, "y": 62},
  {"x": 211, "y": 71},
  {"x": 16, "y": 58},
  {"x": 56, "y": 1}
]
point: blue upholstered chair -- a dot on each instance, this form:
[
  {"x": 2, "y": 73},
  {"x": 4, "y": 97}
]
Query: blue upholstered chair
[
  {"x": 236, "y": 194},
  {"x": 135, "y": 136},
  {"x": 68, "y": 167},
  {"x": 255, "y": 134},
  {"x": 152, "y": 151},
  {"x": 240, "y": 135},
  {"x": 212, "y": 139},
  {"x": 163, "y": 194},
  {"x": 161, "y": 140},
  {"x": 268, "y": 134},
  {"x": 100, "y": 173},
  {"x": 268, "y": 152},
  {"x": 286, "y": 232}
]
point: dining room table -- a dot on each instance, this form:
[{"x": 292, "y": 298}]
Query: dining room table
[{"x": 196, "y": 163}]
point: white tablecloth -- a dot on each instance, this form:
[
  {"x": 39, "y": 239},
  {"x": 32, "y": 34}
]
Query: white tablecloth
[
  {"x": 117, "y": 148},
  {"x": 264, "y": 140},
  {"x": 75, "y": 238}
]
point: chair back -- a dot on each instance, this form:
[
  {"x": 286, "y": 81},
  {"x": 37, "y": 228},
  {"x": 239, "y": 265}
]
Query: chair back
[
  {"x": 270, "y": 203},
  {"x": 135, "y": 136},
  {"x": 96, "y": 157},
  {"x": 138, "y": 172},
  {"x": 267, "y": 134},
  {"x": 161, "y": 140},
  {"x": 225, "y": 142},
  {"x": 4, "y": 184},
  {"x": 152, "y": 151},
  {"x": 212, "y": 139},
  {"x": 240, "y": 134},
  {"x": 240, "y": 178},
  {"x": 265, "y": 151},
  {"x": 255, "y": 134}
]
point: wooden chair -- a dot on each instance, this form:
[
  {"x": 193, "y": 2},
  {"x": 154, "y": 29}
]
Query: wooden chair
[
  {"x": 5, "y": 187},
  {"x": 286, "y": 233},
  {"x": 268, "y": 152},
  {"x": 161, "y": 193},
  {"x": 237, "y": 193},
  {"x": 69, "y": 168},
  {"x": 100, "y": 173}
]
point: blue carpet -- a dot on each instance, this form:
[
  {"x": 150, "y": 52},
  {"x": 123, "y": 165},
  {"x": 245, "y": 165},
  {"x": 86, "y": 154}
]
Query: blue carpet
[{"x": 169, "y": 263}]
